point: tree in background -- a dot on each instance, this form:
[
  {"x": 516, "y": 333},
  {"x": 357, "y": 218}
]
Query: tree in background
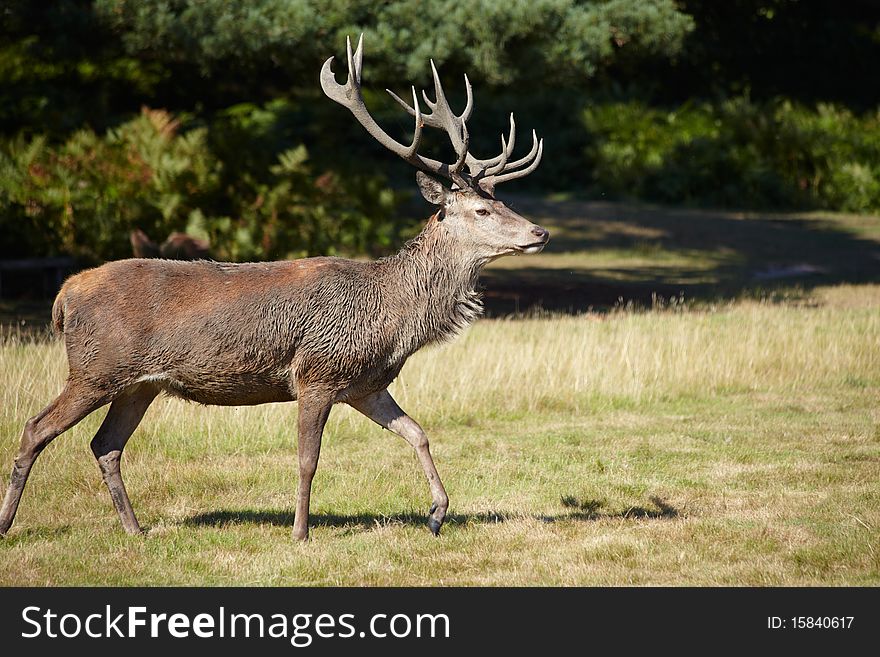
[
  {"x": 241, "y": 147},
  {"x": 661, "y": 99},
  {"x": 805, "y": 50}
]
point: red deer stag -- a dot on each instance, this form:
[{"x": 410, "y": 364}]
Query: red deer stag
[{"x": 318, "y": 330}]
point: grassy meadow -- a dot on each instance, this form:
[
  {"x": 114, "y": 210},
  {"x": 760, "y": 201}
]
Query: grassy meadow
[{"x": 730, "y": 436}]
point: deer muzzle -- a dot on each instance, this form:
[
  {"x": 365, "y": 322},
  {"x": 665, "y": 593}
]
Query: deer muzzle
[{"x": 542, "y": 236}]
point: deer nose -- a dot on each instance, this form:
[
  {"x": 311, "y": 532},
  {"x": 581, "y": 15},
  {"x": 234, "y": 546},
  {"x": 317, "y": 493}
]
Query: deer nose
[{"x": 541, "y": 233}]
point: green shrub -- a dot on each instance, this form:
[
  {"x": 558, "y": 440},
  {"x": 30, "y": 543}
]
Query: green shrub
[
  {"x": 84, "y": 196},
  {"x": 738, "y": 154}
]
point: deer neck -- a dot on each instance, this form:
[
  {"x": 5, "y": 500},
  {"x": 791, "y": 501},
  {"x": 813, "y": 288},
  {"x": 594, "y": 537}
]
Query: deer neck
[{"x": 435, "y": 285}]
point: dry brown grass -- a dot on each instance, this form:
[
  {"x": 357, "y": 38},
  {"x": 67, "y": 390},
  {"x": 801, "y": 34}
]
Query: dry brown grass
[{"x": 737, "y": 444}]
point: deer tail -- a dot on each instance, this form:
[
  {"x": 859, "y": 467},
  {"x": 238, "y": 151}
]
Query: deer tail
[{"x": 58, "y": 311}]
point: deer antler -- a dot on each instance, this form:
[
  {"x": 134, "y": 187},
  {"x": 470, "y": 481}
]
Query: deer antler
[
  {"x": 483, "y": 173},
  {"x": 350, "y": 96}
]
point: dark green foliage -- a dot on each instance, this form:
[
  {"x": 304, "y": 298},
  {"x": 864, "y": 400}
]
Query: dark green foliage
[
  {"x": 738, "y": 154},
  {"x": 62, "y": 68},
  {"x": 83, "y": 196},
  {"x": 497, "y": 42}
]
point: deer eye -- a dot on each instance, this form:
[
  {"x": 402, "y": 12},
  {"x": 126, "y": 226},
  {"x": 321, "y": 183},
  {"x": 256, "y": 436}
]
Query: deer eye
[{"x": 483, "y": 212}]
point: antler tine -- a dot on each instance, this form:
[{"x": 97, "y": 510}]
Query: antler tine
[
  {"x": 512, "y": 175},
  {"x": 439, "y": 96},
  {"x": 480, "y": 167},
  {"x": 352, "y": 71},
  {"x": 427, "y": 119},
  {"x": 469, "y": 105},
  {"x": 512, "y": 138},
  {"x": 528, "y": 158},
  {"x": 417, "y": 134},
  {"x": 498, "y": 168},
  {"x": 358, "y": 58},
  {"x": 348, "y": 57},
  {"x": 454, "y": 125},
  {"x": 509, "y": 166},
  {"x": 431, "y": 119},
  {"x": 440, "y": 110},
  {"x": 429, "y": 102}
]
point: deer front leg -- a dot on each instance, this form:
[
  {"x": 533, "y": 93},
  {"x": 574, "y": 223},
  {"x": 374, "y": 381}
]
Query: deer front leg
[
  {"x": 381, "y": 408},
  {"x": 313, "y": 412}
]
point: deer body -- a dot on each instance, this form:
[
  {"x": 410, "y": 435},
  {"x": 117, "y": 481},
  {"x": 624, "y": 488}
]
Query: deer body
[
  {"x": 318, "y": 330},
  {"x": 241, "y": 334}
]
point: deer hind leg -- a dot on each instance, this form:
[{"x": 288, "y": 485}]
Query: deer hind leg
[
  {"x": 75, "y": 402},
  {"x": 381, "y": 408},
  {"x": 122, "y": 419}
]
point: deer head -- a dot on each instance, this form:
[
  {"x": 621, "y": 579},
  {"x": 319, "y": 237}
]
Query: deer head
[{"x": 473, "y": 216}]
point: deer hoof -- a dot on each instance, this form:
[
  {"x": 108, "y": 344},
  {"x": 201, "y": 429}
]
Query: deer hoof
[{"x": 434, "y": 526}]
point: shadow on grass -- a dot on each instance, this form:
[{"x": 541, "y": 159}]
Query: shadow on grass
[
  {"x": 581, "y": 510},
  {"x": 592, "y": 510},
  {"x": 31, "y": 534},
  {"x": 731, "y": 255}
]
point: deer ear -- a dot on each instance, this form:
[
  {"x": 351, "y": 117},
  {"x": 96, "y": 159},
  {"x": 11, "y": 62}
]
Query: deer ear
[{"x": 433, "y": 191}]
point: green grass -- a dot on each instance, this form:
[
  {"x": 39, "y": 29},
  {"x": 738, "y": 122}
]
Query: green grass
[{"x": 733, "y": 442}]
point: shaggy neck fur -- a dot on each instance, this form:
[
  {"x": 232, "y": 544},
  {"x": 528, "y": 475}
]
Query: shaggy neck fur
[{"x": 433, "y": 284}]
